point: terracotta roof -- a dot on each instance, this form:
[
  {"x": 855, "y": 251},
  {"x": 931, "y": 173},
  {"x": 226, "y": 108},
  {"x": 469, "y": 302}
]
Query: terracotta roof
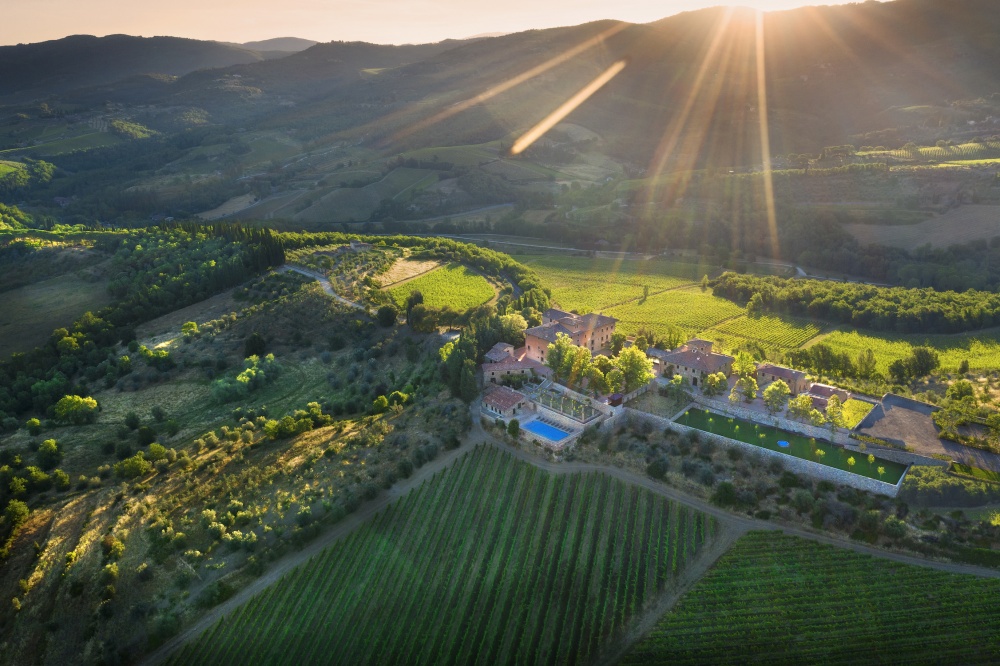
[
  {"x": 577, "y": 322},
  {"x": 511, "y": 363},
  {"x": 499, "y": 352},
  {"x": 697, "y": 360},
  {"x": 826, "y": 391},
  {"x": 502, "y": 398},
  {"x": 548, "y": 332},
  {"x": 782, "y": 372}
]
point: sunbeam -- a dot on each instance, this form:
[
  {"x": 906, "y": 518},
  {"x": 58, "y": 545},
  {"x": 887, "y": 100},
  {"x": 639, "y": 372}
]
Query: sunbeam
[
  {"x": 765, "y": 136},
  {"x": 554, "y": 118}
]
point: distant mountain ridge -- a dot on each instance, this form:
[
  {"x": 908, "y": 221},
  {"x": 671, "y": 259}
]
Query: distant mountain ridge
[
  {"x": 290, "y": 44},
  {"x": 84, "y": 60}
]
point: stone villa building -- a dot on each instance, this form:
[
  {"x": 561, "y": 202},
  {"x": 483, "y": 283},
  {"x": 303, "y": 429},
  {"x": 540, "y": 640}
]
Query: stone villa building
[{"x": 592, "y": 331}]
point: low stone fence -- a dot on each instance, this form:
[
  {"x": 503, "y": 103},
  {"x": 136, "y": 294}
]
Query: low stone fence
[
  {"x": 842, "y": 436},
  {"x": 797, "y": 465},
  {"x": 896, "y": 455}
]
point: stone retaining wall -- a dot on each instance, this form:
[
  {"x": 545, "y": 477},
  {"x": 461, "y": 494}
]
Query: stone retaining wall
[
  {"x": 841, "y": 437},
  {"x": 797, "y": 465}
]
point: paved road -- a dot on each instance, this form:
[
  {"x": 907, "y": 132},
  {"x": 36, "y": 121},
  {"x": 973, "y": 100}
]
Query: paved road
[
  {"x": 731, "y": 527},
  {"x": 323, "y": 282}
]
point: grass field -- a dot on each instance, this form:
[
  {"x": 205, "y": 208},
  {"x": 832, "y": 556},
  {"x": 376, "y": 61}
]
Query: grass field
[
  {"x": 959, "y": 225},
  {"x": 855, "y": 411},
  {"x": 771, "y": 332},
  {"x": 454, "y": 285},
  {"x": 492, "y": 561},
  {"x": 691, "y": 309},
  {"x": 7, "y": 167},
  {"x": 775, "y": 599},
  {"x": 580, "y": 283},
  {"x": 29, "y": 314},
  {"x": 357, "y": 204},
  {"x": 981, "y": 349}
]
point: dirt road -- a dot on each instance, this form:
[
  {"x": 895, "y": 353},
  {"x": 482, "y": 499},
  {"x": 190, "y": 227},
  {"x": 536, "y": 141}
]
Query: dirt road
[{"x": 324, "y": 283}]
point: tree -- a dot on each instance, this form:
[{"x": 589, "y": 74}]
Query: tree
[
  {"x": 744, "y": 365},
  {"x": 961, "y": 390},
  {"x": 512, "y": 329},
  {"x": 415, "y": 298},
  {"x": 851, "y": 462},
  {"x": 871, "y": 459},
  {"x": 657, "y": 469},
  {"x": 34, "y": 426},
  {"x": 380, "y": 404},
  {"x": 133, "y": 467},
  {"x": 834, "y": 413},
  {"x": 641, "y": 343},
  {"x": 254, "y": 345},
  {"x": 467, "y": 383},
  {"x": 189, "y": 329},
  {"x": 800, "y": 406},
  {"x": 899, "y": 372},
  {"x": 923, "y": 361},
  {"x": 747, "y": 386},
  {"x": 636, "y": 368},
  {"x": 881, "y": 471},
  {"x": 422, "y": 319},
  {"x": 675, "y": 387},
  {"x": 15, "y": 514},
  {"x": 49, "y": 454},
  {"x": 132, "y": 420},
  {"x": 386, "y": 315},
  {"x": 616, "y": 381},
  {"x": 76, "y": 409},
  {"x": 775, "y": 396},
  {"x": 514, "y": 428},
  {"x": 617, "y": 343},
  {"x": 755, "y": 306},
  {"x": 714, "y": 384},
  {"x": 816, "y": 417},
  {"x": 558, "y": 353},
  {"x": 867, "y": 364}
]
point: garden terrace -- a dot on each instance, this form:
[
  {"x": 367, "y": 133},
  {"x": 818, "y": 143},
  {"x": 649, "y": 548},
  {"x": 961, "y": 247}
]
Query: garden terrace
[{"x": 806, "y": 448}]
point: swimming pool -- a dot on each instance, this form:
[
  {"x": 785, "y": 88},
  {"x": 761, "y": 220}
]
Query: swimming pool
[{"x": 550, "y": 433}]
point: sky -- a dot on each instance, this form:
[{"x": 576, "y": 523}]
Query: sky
[{"x": 380, "y": 21}]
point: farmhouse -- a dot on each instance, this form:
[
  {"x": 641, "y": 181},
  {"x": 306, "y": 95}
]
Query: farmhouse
[
  {"x": 695, "y": 360},
  {"x": 591, "y": 331},
  {"x": 821, "y": 394},
  {"x": 796, "y": 379},
  {"x": 499, "y": 353},
  {"x": 503, "y": 401}
]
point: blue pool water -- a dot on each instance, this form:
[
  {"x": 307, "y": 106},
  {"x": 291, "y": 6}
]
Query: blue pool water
[{"x": 545, "y": 430}]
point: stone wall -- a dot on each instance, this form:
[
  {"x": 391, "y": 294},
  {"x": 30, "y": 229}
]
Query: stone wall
[
  {"x": 842, "y": 436},
  {"x": 791, "y": 463}
]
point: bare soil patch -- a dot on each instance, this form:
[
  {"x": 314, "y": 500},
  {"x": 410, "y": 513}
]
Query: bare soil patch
[
  {"x": 959, "y": 225},
  {"x": 169, "y": 325},
  {"x": 234, "y": 205},
  {"x": 406, "y": 269}
]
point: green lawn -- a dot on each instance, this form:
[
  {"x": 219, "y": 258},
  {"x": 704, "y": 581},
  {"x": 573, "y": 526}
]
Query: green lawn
[
  {"x": 855, "y": 411},
  {"x": 492, "y": 561},
  {"x": 776, "y": 599},
  {"x": 453, "y": 285}
]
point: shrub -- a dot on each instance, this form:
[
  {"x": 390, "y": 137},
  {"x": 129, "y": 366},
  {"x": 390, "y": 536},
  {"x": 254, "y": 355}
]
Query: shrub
[
  {"x": 146, "y": 435},
  {"x": 724, "y": 495},
  {"x": 132, "y": 420},
  {"x": 657, "y": 469},
  {"x": 76, "y": 409},
  {"x": 134, "y": 466},
  {"x": 34, "y": 426},
  {"x": 802, "y": 501},
  {"x": 49, "y": 454}
]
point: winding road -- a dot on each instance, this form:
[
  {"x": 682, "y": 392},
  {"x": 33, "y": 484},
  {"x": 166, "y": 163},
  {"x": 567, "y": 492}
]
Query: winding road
[{"x": 732, "y": 526}]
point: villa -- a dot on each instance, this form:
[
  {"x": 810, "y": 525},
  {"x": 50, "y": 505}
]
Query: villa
[
  {"x": 796, "y": 379},
  {"x": 695, "y": 360},
  {"x": 591, "y": 331},
  {"x": 821, "y": 394}
]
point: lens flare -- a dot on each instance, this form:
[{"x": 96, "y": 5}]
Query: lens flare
[
  {"x": 570, "y": 105},
  {"x": 765, "y": 136}
]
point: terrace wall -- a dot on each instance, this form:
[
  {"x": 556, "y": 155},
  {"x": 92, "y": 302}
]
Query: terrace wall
[
  {"x": 726, "y": 408},
  {"x": 791, "y": 463}
]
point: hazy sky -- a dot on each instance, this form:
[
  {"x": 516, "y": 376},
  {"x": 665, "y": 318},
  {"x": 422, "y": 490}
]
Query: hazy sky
[{"x": 382, "y": 21}]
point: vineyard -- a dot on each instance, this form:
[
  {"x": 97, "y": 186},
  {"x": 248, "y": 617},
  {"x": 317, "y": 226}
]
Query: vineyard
[
  {"x": 492, "y": 561},
  {"x": 453, "y": 285},
  {"x": 771, "y": 332},
  {"x": 981, "y": 349},
  {"x": 778, "y": 599},
  {"x": 964, "y": 151},
  {"x": 690, "y": 309},
  {"x": 589, "y": 285}
]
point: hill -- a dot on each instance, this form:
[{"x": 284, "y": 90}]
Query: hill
[
  {"x": 290, "y": 44},
  {"x": 84, "y": 60}
]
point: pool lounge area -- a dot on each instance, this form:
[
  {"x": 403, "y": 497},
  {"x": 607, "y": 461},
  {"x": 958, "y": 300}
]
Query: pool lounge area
[
  {"x": 792, "y": 444},
  {"x": 546, "y": 430}
]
